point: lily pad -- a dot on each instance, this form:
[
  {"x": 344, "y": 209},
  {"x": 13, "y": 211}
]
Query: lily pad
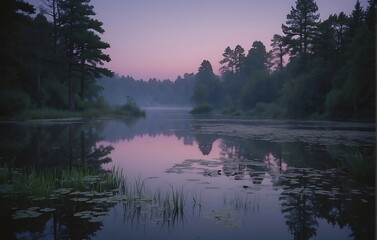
[
  {"x": 80, "y": 199},
  {"x": 46, "y": 210},
  {"x": 63, "y": 190},
  {"x": 27, "y": 213}
]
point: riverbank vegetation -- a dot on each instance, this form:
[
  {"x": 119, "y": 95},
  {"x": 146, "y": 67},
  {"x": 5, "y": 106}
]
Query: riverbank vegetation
[
  {"x": 318, "y": 69},
  {"x": 50, "y": 61},
  {"x": 52, "y": 65}
]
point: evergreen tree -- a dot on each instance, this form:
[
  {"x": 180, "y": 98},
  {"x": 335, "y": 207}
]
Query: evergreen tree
[
  {"x": 83, "y": 45},
  {"x": 301, "y": 27},
  {"x": 233, "y": 60},
  {"x": 278, "y": 52},
  {"x": 256, "y": 60},
  {"x": 255, "y": 77},
  {"x": 52, "y": 9},
  {"x": 353, "y": 94},
  {"x": 207, "y": 88},
  {"x": 239, "y": 57},
  {"x": 228, "y": 60},
  {"x": 13, "y": 16},
  {"x": 356, "y": 18}
]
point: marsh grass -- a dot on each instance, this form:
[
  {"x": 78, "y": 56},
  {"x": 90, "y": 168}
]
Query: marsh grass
[
  {"x": 178, "y": 197},
  {"x": 81, "y": 189},
  {"x": 128, "y": 110},
  {"x": 241, "y": 202},
  {"x": 44, "y": 183},
  {"x": 362, "y": 167}
]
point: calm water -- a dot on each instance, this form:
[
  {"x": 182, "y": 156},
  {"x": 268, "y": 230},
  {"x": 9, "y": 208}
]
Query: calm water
[{"x": 238, "y": 178}]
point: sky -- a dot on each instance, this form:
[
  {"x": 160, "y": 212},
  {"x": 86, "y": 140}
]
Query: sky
[{"x": 167, "y": 38}]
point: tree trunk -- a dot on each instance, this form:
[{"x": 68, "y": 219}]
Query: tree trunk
[
  {"x": 70, "y": 145},
  {"x": 82, "y": 147},
  {"x": 82, "y": 85},
  {"x": 71, "y": 104}
]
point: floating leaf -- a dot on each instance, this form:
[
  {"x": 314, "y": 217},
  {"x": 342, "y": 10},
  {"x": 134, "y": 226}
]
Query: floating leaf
[
  {"x": 80, "y": 199},
  {"x": 47, "y": 210},
  {"x": 20, "y": 214},
  {"x": 38, "y": 198}
]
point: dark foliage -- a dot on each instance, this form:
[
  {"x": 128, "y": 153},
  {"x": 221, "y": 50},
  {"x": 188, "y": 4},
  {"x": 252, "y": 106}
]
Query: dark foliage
[
  {"x": 330, "y": 72},
  {"x": 50, "y": 63}
]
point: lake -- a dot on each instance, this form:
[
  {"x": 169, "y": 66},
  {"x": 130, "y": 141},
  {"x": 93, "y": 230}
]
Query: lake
[{"x": 187, "y": 177}]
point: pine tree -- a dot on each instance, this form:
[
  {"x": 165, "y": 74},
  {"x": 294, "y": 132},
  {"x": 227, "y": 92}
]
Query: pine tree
[
  {"x": 301, "y": 27},
  {"x": 278, "y": 52},
  {"x": 83, "y": 45},
  {"x": 228, "y": 60},
  {"x": 12, "y": 19},
  {"x": 239, "y": 57}
]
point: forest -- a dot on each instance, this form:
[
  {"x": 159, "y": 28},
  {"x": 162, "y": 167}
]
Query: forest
[
  {"x": 51, "y": 60},
  {"x": 317, "y": 69},
  {"x": 152, "y": 93}
]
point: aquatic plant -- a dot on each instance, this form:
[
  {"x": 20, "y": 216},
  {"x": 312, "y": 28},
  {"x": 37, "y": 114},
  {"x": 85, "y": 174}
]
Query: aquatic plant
[
  {"x": 178, "y": 198},
  {"x": 360, "y": 166},
  {"x": 44, "y": 183},
  {"x": 239, "y": 201}
]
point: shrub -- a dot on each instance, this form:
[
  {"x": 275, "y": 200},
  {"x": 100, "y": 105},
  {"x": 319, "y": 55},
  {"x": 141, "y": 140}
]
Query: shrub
[
  {"x": 129, "y": 109},
  {"x": 267, "y": 110}
]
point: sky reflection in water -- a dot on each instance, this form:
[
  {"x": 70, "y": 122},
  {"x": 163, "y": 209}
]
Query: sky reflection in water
[
  {"x": 244, "y": 178},
  {"x": 242, "y": 191}
]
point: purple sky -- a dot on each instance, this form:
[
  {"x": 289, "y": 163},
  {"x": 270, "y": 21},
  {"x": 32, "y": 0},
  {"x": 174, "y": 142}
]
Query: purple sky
[{"x": 167, "y": 38}]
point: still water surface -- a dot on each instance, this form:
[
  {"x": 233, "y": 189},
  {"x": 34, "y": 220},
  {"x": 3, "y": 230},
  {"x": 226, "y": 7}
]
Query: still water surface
[{"x": 238, "y": 177}]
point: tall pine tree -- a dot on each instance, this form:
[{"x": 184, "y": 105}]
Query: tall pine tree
[
  {"x": 83, "y": 46},
  {"x": 301, "y": 27}
]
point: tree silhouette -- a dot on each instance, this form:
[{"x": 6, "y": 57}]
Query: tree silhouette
[
  {"x": 301, "y": 27},
  {"x": 278, "y": 52},
  {"x": 83, "y": 46}
]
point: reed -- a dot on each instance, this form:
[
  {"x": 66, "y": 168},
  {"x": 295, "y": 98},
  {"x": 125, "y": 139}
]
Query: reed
[
  {"x": 43, "y": 183},
  {"x": 362, "y": 167}
]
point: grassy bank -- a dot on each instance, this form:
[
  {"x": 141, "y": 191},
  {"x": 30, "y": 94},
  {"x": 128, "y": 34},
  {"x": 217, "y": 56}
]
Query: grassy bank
[{"x": 52, "y": 113}]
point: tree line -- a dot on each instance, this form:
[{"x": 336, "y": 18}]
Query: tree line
[
  {"x": 315, "y": 69},
  {"x": 154, "y": 92},
  {"x": 50, "y": 60}
]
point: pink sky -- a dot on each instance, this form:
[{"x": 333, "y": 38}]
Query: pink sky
[{"x": 167, "y": 38}]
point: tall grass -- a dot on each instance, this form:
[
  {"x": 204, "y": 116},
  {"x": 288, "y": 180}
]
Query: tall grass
[
  {"x": 360, "y": 166},
  {"x": 72, "y": 184},
  {"x": 43, "y": 183}
]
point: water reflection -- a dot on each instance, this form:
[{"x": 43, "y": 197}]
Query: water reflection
[
  {"x": 47, "y": 148},
  {"x": 230, "y": 180}
]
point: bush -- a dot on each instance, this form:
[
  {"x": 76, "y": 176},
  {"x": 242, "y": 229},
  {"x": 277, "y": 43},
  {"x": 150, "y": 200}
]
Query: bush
[
  {"x": 267, "y": 110},
  {"x": 202, "y": 109},
  {"x": 129, "y": 109},
  {"x": 232, "y": 112}
]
